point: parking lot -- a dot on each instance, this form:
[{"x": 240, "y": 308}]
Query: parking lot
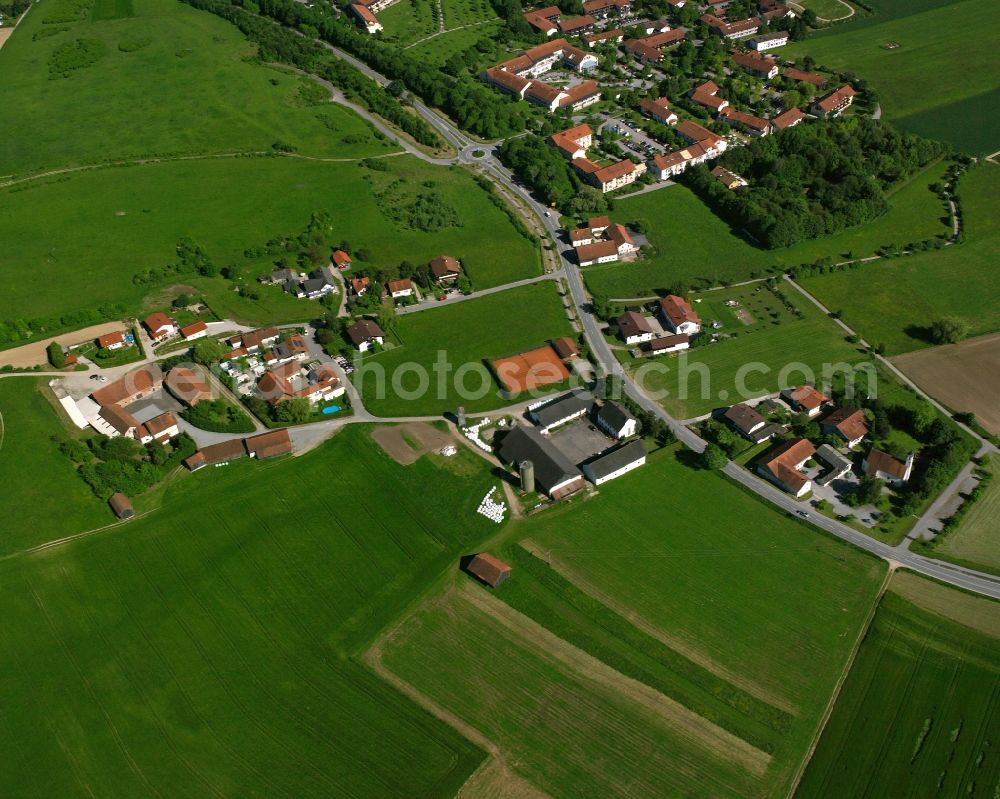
[
  {"x": 580, "y": 440},
  {"x": 634, "y": 139}
]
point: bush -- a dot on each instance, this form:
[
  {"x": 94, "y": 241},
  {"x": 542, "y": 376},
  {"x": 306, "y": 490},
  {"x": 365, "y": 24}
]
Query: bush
[
  {"x": 218, "y": 416},
  {"x": 56, "y": 357}
]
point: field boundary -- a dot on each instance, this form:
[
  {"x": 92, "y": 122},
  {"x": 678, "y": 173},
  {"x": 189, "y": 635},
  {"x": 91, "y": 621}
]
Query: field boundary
[{"x": 862, "y": 634}]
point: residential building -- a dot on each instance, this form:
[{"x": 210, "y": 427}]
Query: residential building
[
  {"x": 269, "y": 445},
  {"x": 400, "y": 289},
  {"x": 111, "y": 341},
  {"x": 341, "y": 260},
  {"x": 562, "y": 410},
  {"x": 187, "y": 386},
  {"x": 291, "y": 381},
  {"x": 744, "y": 419},
  {"x": 731, "y": 30},
  {"x": 616, "y": 420},
  {"x": 713, "y": 145},
  {"x": 544, "y": 19},
  {"x": 664, "y": 39},
  {"x": 117, "y": 422},
  {"x": 195, "y": 330},
  {"x": 365, "y": 18},
  {"x": 160, "y": 326},
  {"x": 678, "y": 315},
  {"x": 616, "y": 35},
  {"x": 667, "y": 344},
  {"x": 835, "y": 103},
  {"x": 658, "y": 110},
  {"x": 597, "y": 252},
  {"x": 132, "y": 387},
  {"x": 581, "y": 95},
  {"x": 705, "y": 94},
  {"x": 576, "y": 26},
  {"x": 837, "y": 463},
  {"x": 768, "y": 41},
  {"x": 489, "y": 569},
  {"x": 598, "y": 224},
  {"x": 755, "y": 126},
  {"x": 885, "y": 467},
  {"x": 634, "y": 327},
  {"x": 602, "y": 9},
  {"x": 846, "y": 423},
  {"x": 160, "y": 428},
  {"x": 805, "y": 399},
  {"x": 611, "y": 177},
  {"x": 620, "y": 237},
  {"x": 255, "y": 339},
  {"x": 783, "y": 464},
  {"x": 445, "y": 269},
  {"x": 555, "y": 475},
  {"x": 789, "y": 119},
  {"x": 574, "y": 142},
  {"x": 644, "y": 52},
  {"x": 364, "y": 333},
  {"x": 668, "y": 165},
  {"x": 359, "y": 285},
  {"x": 615, "y": 462},
  {"x": 728, "y": 179},
  {"x": 813, "y": 78},
  {"x": 766, "y": 68}
]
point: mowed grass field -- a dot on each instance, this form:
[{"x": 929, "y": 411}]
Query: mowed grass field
[
  {"x": 409, "y": 21},
  {"x": 895, "y": 301},
  {"x": 120, "y": 221},
  {"x": 688, "y": 652},
  {"x": 829, "y": 9},
  {"x": 190, "y": 89},
  {"x": 919, "y": 713},
  {"x": 206, "y": 650},
  {"x": 696, "y": 247},
  {"x": 921, "y": 85},
  {"x": 777, "y": 350},
  {"x": 976, "y": 540},
  {"x": 401, "y": 381},
  {"x": 43, "y": 497}
]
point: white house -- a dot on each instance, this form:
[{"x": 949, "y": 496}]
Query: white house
[
  {"x": 769, "y": 41},
  {"x": 679, "y": 316},
  {"x": 400, "y": 289},
  {"x": 805, "y": 399},
  {"x": 364, "y": 334},
  {"x": 616, "y": 421},
  {"x": 885, "y": 467},
  {"x": 783, "y": 466},
  {"x": 634, "y": 328},
  {"x": 160, "y": 326},
  {"x": 616, "y": 462}
]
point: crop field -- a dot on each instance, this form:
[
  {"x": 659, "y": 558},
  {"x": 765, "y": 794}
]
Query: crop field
[
  {"x": 696, "y": 247},
  {"x": 674, "y": 624},
  {"x": 895, "y": 301},
  {"x": 767, "y": 355},
  {"x": 465, "y": 334},
  {"x": 919, "y": 712},
  {"x": 205, "y": 650},
  {"x": 976, "y": 540},
  {"x": 921, "y": 86},
  {"x": 40, "y": 487},
  {"x": 150, "y": 86},
  {"x": 129, "y": 220}
]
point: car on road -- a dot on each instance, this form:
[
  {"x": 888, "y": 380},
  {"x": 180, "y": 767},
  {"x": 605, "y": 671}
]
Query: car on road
[{"x": 803, "y": 513}]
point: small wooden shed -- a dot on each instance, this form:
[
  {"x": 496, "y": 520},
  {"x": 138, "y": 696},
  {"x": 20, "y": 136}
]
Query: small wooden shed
[
  {"x": 489, "y": 569},
  {"x": 121, "y": 505}
]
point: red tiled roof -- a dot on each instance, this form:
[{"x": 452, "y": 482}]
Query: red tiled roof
[
  {"x": 806, "y": 77},
  {"x": 192, "y": 329},
  {"x": 678, "y": 310},
  {"x": 108, "y": 339},
  {"x": 269, "y": 445},
  {"x": 806, "y": 396},
  {"x": 341, "y": 258},
  {"x": 850, "y": 423},
  {"x": 786, "y": 120},
  {"x": 835, "y": 98},
  {"x": 782, "y": 460},
  {"x": 879, "y": 461},
  {"x": 592, "y": 252},
  {"x": 489, "y": 569},
  {"x": 156, "y": 321}
]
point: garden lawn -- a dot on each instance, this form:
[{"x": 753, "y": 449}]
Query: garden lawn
[
  {"x": 695, "y": 247},
  {"x": 895, "y": 301},
  {"x": 190, "y": 89},
  {"x": 410, "y": 21},
  {"x": 919, "y": 712},
  {"x": 205, "y": 650},
  {"x": 44, "y": 499},
  {"x": 921, "y": 85},
  {"x": 466, "y": 334},
  {"x": 117, "y": 222},
  {"x": 439, "y": 49},
  {"x": 760, "y": 602},
  {"x": 467, "y": 12}
]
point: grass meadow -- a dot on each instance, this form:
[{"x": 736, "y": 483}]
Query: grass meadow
[
  {"x": 682, "y": 653},
  {"x": 921, "y": 85},
  {"x": 919, "y": 712},
  {"x": 410, "y": 21},
  {"x": 187, "y": 87},
  {"x": 696, "y": 247},
  {"x": 976, "y": 540},
  {"x": 120, "y": 221},
  {"x": 469, "y": 332},
  {"x": 41, "y": 488},
  {"x": 894, "y": 301},
  {"x": 206, "y": 649}
]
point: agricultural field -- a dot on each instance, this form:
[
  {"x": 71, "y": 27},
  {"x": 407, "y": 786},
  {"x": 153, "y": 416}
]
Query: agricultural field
[
  {"x": 48, "y": 508},
  {"x": 699, "y": 380},
  {"x": 206, "y": 649},
  {"x": 129, "y": 220},
  {"x": 895, "y": 301},
  {"x": 919, "y": 712},
  {"x": 467, "y": 334},
  {"x": 696, "y": 247},
  {"x": 906, "y": 50},
  {"x": 149, "y": 84},
  {"x": 976, "y": 540},
  {"x": 643, "y": 664}
]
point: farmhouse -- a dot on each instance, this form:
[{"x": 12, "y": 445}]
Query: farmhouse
[
  {"x": 554, "y": 474},
  {"x": 705, "y": 95},
  {"x": 133, "y": 386},
  {"x": 269, "y": 445},
  {"x": 562, "y": 410},
  {"x": 678, "y": 315},
  {"x": 445, "y": 269},
  {"x": 188, "y": 386},
  {"x": 615, "y": 462},
  {"x": 215, "y": 454},
  {"x": 835, "y": 103},
  {"x": 789, "y": 119},
  {"x": 620, "y": 237},
  {"x": 160, "y": 326},
  {"x": 755, "y": 126},
  {"x": 658, "y": 110},
  {"x": 598, "y": 224},
  {"x": 341, "y": 260},
  {"x": 616, "y": 421},
  {"x": 364, "y": 333},
  {"x": 665, "y": 344},
  {"x": 121, "y": 505},
  {"x": 117, "y": 422},
  {"x": 764, "y": 67},
  {"x": 848, "y": 424},
  {"x": 160, "y": 428},
  {"x": 782, "y": 465},
  {"x": 111, "y": 341},
  {"x": 634, "y": 327},
  {"x": 769, "y": 41},
  {"x": 728, "y": 179},
  {"x": 597, "y": 252},
  {"x": 805, "y": 399},
  {"x": 195, "y": 330},
  {"x": 883, "y": 466},
  {"x": 292, "y": 381},
  {"x": 574, "y": 142},
  {"x": 489, "y": 569},
  {"x": 566, "y": 348}
]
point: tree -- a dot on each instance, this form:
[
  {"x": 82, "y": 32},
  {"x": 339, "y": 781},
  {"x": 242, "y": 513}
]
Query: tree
[
  {"x": 56, "y": 357},
  {"x": 207, "y": 351},
  {"x": 868, "y": 493},
  {"x": 949, "y": 330},
  {"x": 714, "y": 458},
  {"x": 922, "y": 417},
  {"x": 292, "y": 411}
]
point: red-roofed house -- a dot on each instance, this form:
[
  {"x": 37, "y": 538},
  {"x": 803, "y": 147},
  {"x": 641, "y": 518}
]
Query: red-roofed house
[
  {"x": 111, "y": 341},
  {"x": 659, "y": 110},
  {"x": 705, "y": 95},
  {"x": 445, "y": 269},
  {"x": 764, "y": 67},
  {"x": 755, "y": 126},
  {"x": 611, "y": 177},
  {"x": 848, "y": 424},
  {"x": 574, "y": 142},
  {"x": 885, "y": 467},
  {"x": 195, "y": 330},
  {"x": 678, "y": 315},
  {"x": 782, "y": 466},
  {"x": 341, "y": 260},
  {"x": 789, "y": 119},
  {"x": 805, "y": 399},
  {"x": 160, "y": 326},
  {"x": 399, "y": 289},
  {"x": 365, "y": 18},
  {"x": 835, "y": 103}
]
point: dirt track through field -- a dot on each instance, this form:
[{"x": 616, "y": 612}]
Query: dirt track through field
[
  {"x": 675, "y": 643},
  {"x": 32, "y": 354},
  {"x": 965, "y": 376}
]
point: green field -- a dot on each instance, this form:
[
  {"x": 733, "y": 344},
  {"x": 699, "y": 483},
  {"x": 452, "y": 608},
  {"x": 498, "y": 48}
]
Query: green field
[
  {"x": 894, "y": 301},
  {"x": 828, "y": 9},
  {"x": 439, "y": 49},
  {"x": 409, "y": 20},
  {"x": 919, "y": 713},
  {"x": 467, "y": 333},
  {"x": 117, "y": 222},
  {"x": 921, "y": 85},
  {"x": 976, "y": 540},
  {"x": 191, "y": 89},
  {"x": 467, "y": 12},
  {"x": 653, "y": 652},
  {"x": 41, "y": 488},
  {"x": 696, "y": 247},
  {"x": 205, "y": 650},
  {"x": 699, "y": 380}
]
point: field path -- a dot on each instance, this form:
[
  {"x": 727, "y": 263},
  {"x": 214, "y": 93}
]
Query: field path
[{"x": 678, "y": 645}]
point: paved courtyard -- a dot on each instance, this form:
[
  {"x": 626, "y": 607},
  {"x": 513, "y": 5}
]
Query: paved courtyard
[{"x": 580, "y": 440}]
